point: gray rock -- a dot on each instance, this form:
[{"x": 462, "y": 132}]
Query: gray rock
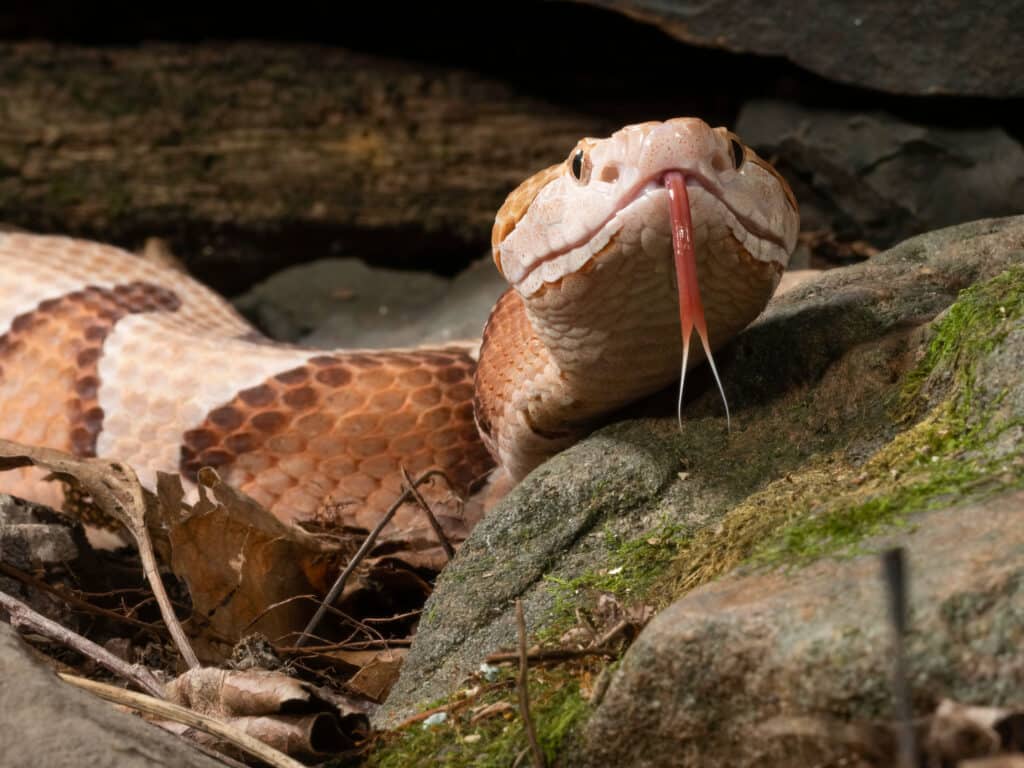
[
  {"x": 48, "y": 723},
  {"x": 878, "y": 178},
  {"x": 732, "y": 673},
  {"x": 32, "y": 536},
  {"x": 534, "y": 533},
  {"x": 934, "y": 47},
  {"x": 812, "y": 377},
  {"x": 344, "y": 303}
]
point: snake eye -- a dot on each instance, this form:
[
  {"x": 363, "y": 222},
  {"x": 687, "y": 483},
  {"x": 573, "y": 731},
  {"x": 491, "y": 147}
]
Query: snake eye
[
  {"x": 577, "y": 164},
  {"x": 738, "y": 153}
]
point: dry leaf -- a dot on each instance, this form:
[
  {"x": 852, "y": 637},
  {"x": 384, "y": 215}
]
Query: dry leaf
[
  {"x": 116, "y": 490},
  {"x": 231, "y": 693},
  {"x": 377, "y": 670},
  {"x": 957, "y": 732},
  {"x": 288, "y": 714},
  {"x": 242, "y": 565},
  {"x": 311, "y": 738}
]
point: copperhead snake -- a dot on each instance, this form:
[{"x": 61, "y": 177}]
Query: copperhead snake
[{"x": 103, "y": 353}]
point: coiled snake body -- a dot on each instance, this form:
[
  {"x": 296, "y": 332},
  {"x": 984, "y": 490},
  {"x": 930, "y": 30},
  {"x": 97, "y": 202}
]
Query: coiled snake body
[{"x": 106, "y": 354}]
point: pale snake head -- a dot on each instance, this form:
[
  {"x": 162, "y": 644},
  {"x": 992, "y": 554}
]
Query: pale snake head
[{"x": 599, "y": 257}]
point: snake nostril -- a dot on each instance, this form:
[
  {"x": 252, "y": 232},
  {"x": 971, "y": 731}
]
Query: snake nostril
[
  {"x": 610, "y": 173},
  {"x": 719, "y": 163}
]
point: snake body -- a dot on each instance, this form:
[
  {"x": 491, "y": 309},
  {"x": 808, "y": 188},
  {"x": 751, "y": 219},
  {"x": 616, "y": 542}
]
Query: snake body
[{"x": 103, "y": 353}]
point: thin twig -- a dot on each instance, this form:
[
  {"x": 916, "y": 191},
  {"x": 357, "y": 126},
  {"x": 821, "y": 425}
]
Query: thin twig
[
  {"x": 354, "y": 645},
  {"x": 367, "y": 545},
  {"x": 152, "y": 572},
  {"x": 894, "y": 574},
  {"x": 524, "y": 693},
  {"x": 455, "y": 707},
  {"x": 114, "y": 488},
  {"x": 549, "y": 654},
  {"x": 390, "y": 619},
  {"x": 449, "y": 550},
  {"x": 74, "y": 600},
  {"x": 614, "y": 632},
  {"x": 23, "y": 617},
  {"x": 179, "y": 714}
]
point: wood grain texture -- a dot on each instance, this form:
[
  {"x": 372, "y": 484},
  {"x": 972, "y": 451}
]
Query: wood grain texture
[{"x": 263, "y": 153}]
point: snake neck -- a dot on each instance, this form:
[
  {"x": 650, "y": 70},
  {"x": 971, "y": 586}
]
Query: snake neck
[
  {"x": 551, "y": 369},
  {"x": 561, "y": 362}
]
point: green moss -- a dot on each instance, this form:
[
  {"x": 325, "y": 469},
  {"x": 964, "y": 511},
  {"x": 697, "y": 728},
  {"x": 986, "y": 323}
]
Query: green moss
[
  {"x": 632, "y": 567},
  {"x": 950, "y": 454},
  {"x": 557, "y": 707},
  {"x": 973, "y": 327}
]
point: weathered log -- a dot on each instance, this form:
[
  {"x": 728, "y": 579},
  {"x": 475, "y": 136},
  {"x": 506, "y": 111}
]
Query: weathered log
[{"x": 246, "y": 156}]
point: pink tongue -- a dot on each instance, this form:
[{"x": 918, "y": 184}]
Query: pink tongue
[{"x": 691, "y": 310}]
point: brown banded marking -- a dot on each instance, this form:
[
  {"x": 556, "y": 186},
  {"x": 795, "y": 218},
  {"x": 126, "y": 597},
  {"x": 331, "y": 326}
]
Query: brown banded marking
[
  {"x": 49, "y": 363},
  {"x": 66, "y": 334},
  {"x": 340, "y": 427}
]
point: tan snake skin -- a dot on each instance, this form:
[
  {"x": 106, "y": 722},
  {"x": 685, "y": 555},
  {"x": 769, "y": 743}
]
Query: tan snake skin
[{"x": 104, "y": 353}]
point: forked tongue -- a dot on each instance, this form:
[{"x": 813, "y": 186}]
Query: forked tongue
[{"x": 691, "y": 310}]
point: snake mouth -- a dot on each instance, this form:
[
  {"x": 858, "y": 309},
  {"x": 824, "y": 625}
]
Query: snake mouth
[{"x": 606, "y": 228}]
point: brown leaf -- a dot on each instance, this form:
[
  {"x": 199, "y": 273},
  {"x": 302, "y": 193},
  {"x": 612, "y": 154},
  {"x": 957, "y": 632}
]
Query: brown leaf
[
  {"x": 312, "y": 737},
  {"x": 958, "y": 732},
  {"x": 230, "y": 693},
  {"x": 296, "y": 717},
  {"x": 1000, "y": 761},
  {"x": 244, "y": 568},
  {"x": 378, "y": 670}
]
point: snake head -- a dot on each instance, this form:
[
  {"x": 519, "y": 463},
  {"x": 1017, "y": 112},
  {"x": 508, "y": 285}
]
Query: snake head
[{"x": 560, "y": 220}]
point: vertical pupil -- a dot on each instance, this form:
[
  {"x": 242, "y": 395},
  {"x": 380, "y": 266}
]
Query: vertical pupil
[
  {"x": 737, "y": 153},
  {"x": 577, "y": 165}
]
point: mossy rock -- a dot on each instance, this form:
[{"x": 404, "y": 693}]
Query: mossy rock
[{"x": 853, "y": 412}]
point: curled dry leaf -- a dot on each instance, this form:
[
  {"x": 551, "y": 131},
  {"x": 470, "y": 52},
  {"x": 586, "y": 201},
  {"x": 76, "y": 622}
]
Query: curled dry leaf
[
  {"x": 289, "y": 715},
  {"x": 957, "y": 732},
  {"x": 999, "y": 761},
  {"x": 312, "y": 738},
  {"x": 230, "y": 693},
  {"x": 246, "y": 570}
]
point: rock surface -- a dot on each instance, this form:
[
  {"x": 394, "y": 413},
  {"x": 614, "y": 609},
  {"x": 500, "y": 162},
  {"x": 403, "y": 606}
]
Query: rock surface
[
  {"x": 811, "y": 384},
  {"x": 876, "y": 177},
  {"x": 935, "y": 47},
  {"x": 344, "y": 303},
  {"x": 48, "y": 723},
  {"x": 736, "y": 673}
]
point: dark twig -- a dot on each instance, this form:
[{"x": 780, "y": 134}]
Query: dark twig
[
  {"x": 354, "y": 645},
  {"x": 449, "y": 550},
  {"x": 613, "y": 633},
  {"x": 524, "y": 693},
  {"x": 364, "y": 549},
  {"x": 390, "y": 619},
  {"x": 75, "y": 601},
  {"x": 23, "y": 617},
  {"x": 894, "y": 574},
  {"x": 550, "y": 654}
]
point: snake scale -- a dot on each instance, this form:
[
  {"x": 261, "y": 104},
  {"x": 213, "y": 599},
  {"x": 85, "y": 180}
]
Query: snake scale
[{"x": 103, "y": 353}]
